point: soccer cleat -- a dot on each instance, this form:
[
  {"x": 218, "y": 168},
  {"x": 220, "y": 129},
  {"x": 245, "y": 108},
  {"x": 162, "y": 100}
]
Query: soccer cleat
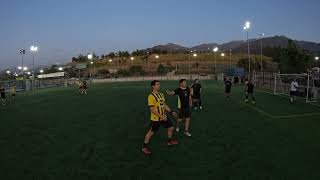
[
  {"x": 187, "y": 133},
  {"x": 146, "y": 151},
  {"x": 177, "y": 129},
  {"x": 253, "y": 102},
  {"x": 246, "y": 100},
  {"x": 200, "y": 107},
  {"x": 172, "y": 142},
  {"x": 195, "y": 108}
]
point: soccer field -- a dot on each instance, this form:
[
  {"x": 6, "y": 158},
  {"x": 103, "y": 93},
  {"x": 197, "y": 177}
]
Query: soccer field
[{"x": 58, "y": 134}]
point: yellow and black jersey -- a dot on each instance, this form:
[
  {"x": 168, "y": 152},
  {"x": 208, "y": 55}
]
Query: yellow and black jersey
[
  {"x": 157, "y": 101},
  {"x": 13, "y": 89}
]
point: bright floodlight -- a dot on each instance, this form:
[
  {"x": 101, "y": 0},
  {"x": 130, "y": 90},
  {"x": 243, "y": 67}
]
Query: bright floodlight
[
  {"x": 34, "y": 48},
  {"x": 16, "y": 75},
  {"x": 91, "y": 62},
  {"x": 110, "y": 60},
  {"x": 132, "y": 58},
  {"x": 222, "y": 54},
  {"x": 60, "y": 68},
  {"x": 19, "y": 67},
  {"x": 195, "y": 55},
  {"x": 90, "y": 56},
  {"x": 28, "y": 73},
  {"x": 41, "y": 71},
  {"x": 25, "y": 68},
  {"x": 247, "y": 25},
  {"x": 157, "y": 57},
  {"x": 8, "y": 72},
  {"x": 215, "y": 49},
  {"x": 316, "y": 58}
]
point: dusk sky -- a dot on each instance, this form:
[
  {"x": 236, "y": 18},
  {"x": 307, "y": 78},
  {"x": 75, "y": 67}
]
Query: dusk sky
[{"x": 65, "y": 28}]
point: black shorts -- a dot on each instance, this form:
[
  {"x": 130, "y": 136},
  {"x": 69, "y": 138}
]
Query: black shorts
[
  {"x": 184, "y": 113},
  {"x": 155, "y": 125},
  {"x": 3, "y": 96},
  {"x": 249, "y": 92},
  {"x": 196, "y": 97},
  {"x": 227, "y": 90},
  {"x": 293, "y": 93},
  {"x": 13, "y": 94}
]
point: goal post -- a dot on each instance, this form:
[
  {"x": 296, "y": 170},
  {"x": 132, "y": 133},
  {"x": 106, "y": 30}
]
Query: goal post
[{"x": 307, "y": 91}]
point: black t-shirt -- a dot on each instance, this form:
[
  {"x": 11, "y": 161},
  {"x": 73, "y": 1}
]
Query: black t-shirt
[
  {"x": 196, "y": 88},
  {"x": 250, "y": 87},
  {"x": 228, "y": 84},
  {"x": 2, "y": 92},
  {"x": 184, "y": 95}
]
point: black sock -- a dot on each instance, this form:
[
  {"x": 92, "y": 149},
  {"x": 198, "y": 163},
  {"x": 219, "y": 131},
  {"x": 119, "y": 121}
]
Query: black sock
[
  {"x": 145, "y": 145},
  {"x": 169, "y": 139}
]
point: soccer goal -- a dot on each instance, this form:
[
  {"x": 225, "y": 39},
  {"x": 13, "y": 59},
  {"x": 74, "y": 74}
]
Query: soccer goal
[{"x": 307, "y": 91}]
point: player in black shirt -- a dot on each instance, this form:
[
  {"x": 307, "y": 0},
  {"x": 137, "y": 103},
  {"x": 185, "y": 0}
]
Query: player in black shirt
[
  {"x": 249, "y": 91},
  {"x": 185, "y": 99},
  {"x": 3, "y": 96},
  {"x": 228, "y": 85},
  {"x": 196, "y": 94}
]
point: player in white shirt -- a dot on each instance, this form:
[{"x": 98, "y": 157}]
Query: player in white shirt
[{"x": 293, "y": 90}]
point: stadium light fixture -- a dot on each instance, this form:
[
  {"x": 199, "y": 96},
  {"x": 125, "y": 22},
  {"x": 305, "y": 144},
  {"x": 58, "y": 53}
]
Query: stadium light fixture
[
  {"x": 25, "y": 68},
  {"x": 60, "y": 68},
  {"x": 28, "y": 73},
  {"x": 110, "y": 60},
  {"x": 90, "y": 56},
  {"x": 157, "y": 57},
  {"x": 8, "y": 72},
  {"x": 247, "y": 25},
  {"x": 34, "y": 49},
  {"x": 41, "y": 71},
  {"x": 222, "y": 54},
  {"x": 91, "y": 62},
  {"x": 216, "y": 49},
  {"x": 19, "y": 67},
  {"x": 195, "y": 55},
  {"x": 132, "y": 58},
  {"x": 316, "y": 58}
]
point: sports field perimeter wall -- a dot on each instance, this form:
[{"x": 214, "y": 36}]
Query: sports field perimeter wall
[{"x": 150, "y": 78}]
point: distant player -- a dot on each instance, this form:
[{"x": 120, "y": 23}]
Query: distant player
[
  {"x": 196, "y": 94},
  {"x": 183, "y": 92},
  {"x": 249, "y": 91},
  {"x": 84, "y": 87},
  {"x": 293, "y": 90},
  {"x": 13, "y": 90},
  {"x": 228, "y": 85},
  {"x": 158, "y": 109},
  {"x": 79, "y": 83},
  {"x": 3, "y": 95}
]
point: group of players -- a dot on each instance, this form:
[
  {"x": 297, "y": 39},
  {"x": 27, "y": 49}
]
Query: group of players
[
  {"x": 82, "y": 87},
  {"x": 162, "y": 114},
  {"x": 13, "y": 90}
]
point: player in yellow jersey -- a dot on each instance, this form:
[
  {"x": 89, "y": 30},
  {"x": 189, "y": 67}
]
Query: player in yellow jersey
[
  {"x": 13, "y": 90},
  {"x": 159, "y": 110}
]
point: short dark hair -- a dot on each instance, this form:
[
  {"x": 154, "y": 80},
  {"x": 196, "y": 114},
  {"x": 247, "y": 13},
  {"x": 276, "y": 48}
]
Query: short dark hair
[
  {"x": 182, "y": 80},
  {"x": 153, "y": 83}
]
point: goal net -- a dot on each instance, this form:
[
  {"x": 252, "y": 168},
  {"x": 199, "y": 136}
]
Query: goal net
[{"x": 306, "y": 91}]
